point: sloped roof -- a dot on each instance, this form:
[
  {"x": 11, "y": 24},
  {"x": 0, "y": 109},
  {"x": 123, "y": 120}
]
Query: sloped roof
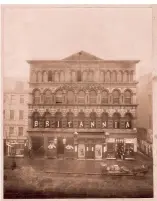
[{"x": 82, "y": 56}]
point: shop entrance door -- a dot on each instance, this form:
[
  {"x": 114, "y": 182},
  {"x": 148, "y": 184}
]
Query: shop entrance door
[
  {"x": 90, "y": 151},
  {"x": 60, "y": 146},
  {"x": 120, "y": 148}
]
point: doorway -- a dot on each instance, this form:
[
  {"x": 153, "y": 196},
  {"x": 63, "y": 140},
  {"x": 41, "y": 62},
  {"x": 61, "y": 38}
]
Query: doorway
[{"x": 60, "y": 146}]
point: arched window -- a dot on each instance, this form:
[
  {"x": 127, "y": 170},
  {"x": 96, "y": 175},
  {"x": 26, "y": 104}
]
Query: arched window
[
  {"x": 92, "y": 97},
  {"x": 81, "y": 119},
  {"x": 114, "y": 76},
  {"x": 37, "y": 97},
  {"x": 62, "y": 79},
  {"x": 108, "y": 76},
  {"x": 81, "y": 97},
  {"x": 73, "y": 76},
  {"x": 128, "y": 120},
  {"x": 70, "y": 97},
  {"x": 59, "y": 97},
  {"x": 116, "y": 97},
  {"x": 79, "y": 76},
  {"x": 93, "y": 120},
  {"x": 39, "y": 77},
  {"x": 131, "y": 76},
  {"x": 102, "y": 76},
  {"x": 85, "y": 76},
  {"x": 56, "y": 76},
  {"x": 49, "y": 76},
  {"x": 47, "y": 97},
  {"x": 36, "y": 119},
  {"x": 127, "y": 97},
  {"x": 90, "y": 76},
  {"x": 45, "y": 76},
  {"x": 104, "y": 120},
  {"x": 47, "y": 119},
  {"x": 58, "y": 120},
  {"x": 70, "y": 117},
  {"x": 126, "y": 76},
  {"x": 34, "y": 77},
  {"x": 120, "y": 76},
  {"x": 116, "y": 120},
  {"x": 104, "y": 97}
]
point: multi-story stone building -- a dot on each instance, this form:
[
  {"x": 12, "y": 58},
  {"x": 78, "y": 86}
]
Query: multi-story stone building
[
  {"x": 83, "y": 106},
  {"x": 15, "y": 116}
]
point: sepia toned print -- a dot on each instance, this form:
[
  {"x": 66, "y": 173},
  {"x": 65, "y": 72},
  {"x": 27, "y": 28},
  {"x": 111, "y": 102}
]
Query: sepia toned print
[{"x": 77, "y": 103}]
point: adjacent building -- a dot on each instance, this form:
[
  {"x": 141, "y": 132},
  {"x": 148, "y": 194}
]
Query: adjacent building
[
  {"x": 15, "y": 116},
  {"x": 83, "y": 107},
  {"x": 145, "y": 113}
]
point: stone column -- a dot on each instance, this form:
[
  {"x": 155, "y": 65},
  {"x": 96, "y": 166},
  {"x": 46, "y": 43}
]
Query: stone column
[
  {"x": 86, "y": 97},
  {"x": 99, "y": 97}
]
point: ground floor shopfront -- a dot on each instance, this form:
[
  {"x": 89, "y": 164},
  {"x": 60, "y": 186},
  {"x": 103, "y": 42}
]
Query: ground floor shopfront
[{"x": 84, "y": 145}]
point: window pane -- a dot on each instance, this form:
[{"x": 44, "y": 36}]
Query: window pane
[
  {"x": 21, "y": 99},
  {"x": 11, "y": 114},
  {"x": 21, "y": 114}
]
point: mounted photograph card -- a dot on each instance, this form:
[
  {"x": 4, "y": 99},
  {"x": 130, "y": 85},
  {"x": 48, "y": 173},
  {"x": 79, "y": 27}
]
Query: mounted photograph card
[{"x": 78, "y": 102}]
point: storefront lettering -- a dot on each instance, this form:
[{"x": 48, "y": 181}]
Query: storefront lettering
[
  {"x": 47, "y": 124},
  {"x": 127, "y": 125},
  {"x": 36, "y": 124},
  {"x": 92, "y": 124},
  {"x": 104, "y": 124},
  {"x": 81, "y": 124}
]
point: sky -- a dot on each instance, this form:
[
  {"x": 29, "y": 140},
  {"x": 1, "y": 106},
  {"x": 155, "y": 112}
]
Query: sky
[{"x": 55, "y": 33}]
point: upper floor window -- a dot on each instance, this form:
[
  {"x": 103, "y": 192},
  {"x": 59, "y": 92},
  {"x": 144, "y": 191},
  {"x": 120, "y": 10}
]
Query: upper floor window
[
  {"x": 20, "y": 131},
  {"x": 13, "y": 98},
  {"x": 70, "y": 117},
  {"x": 108, "y": 76},
  {"x": 102, "y": 76},
  {"x": 21, "y": 115},
  {"x": 47, "y": 119},
  {"x": 79, "y": 78},
  {"x": 81, "y": 119},
  {"x": 45, "y": 78},
  {"x": 59, "y": 97},
  {"x": 61, "y": 76},
  {"x": 92, "y": 97},
  {"x": 36, "y": 119},
  {"x": 116, "y": 120},
  {"x": 58, "y": 119},
  {"x": 39, "y": 77},
  {"x": 114, "y": 76},
  {"x": 81, "y": 97},
  {"x": 127, "y": 97},
  {"x": 11, "y": 131},
  {"x": 37, "y": 97},
  {"x": 73, "y": 76},
  {"x": 128, "y": 120},
  {"x": 84, "y": 76},
  {"x": 56, "y": 76},
  {"x": 70, "y": 97},
  {"x": 47, "y": 97},
  {"x": 93, "y": 120},
  {"x": 90, "y": 76},
  {"x": 12, "y": 114},
  {"x": 104, "y": 97},
  {"x": 49, "y": 76},
  {"x": 126, "y": 76},
  {"x": 21, "y": 99},
  {"x": 116, "y": 97},
  {"x": 104, "y": 119},
  {"x": 120, "y": 76}
]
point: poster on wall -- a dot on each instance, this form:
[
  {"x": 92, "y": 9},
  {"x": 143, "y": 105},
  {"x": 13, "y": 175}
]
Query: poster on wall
[
  {"x": 98, "y": 151},
  {"x": 81, "y": 151}
]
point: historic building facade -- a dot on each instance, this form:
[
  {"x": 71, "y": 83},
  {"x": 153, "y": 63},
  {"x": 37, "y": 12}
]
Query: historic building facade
[
  {"x": 83, "y": 107},
  {"x": 15, "y": 116}
]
